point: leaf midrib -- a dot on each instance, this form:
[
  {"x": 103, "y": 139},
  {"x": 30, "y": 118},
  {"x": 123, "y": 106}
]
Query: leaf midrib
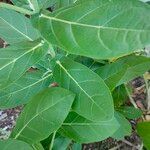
[
  {"x": 90, "y": 26},
  {"x": 58, "y": 62}
]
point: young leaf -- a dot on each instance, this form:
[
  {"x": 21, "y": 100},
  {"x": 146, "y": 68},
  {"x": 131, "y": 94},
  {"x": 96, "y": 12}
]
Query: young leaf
[
  {"x": 130, "y": 112},
  {"x": 84, "y": 131},
  {"x": 120, "y": 95},
  {"x": 124, "y": 70},
  {"x": 16, "y": 59},
  {"x": 20, "y": 91},
  {"x": 90, "y": 90},
  {"x": 15, "y": 27},
  {"x": 43, "y": 115},
  {"x": 98, "y": 29},
  {"x": 77, "y": 146},
  {"x": 124, "y": 129},
  {"x": 12, "y": 144},
  {"x": 38, "y": 146},
  {"x": 61, "y": 143},
  {"x": 143, "y": 129}
]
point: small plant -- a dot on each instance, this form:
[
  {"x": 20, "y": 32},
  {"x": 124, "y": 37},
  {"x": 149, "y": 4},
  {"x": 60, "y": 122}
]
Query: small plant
[{"x": 69, "y": 66}]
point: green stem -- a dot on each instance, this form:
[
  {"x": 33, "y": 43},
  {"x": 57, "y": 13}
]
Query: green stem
[
  {"x": 18, "y": 9},
  {"x": 130, "y": 97},
  {"x": 52, "y": 141}
]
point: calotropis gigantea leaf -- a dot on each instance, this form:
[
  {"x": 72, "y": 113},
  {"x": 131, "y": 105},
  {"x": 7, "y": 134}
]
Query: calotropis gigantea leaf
[
  {"x": 15, "y": 27},
  {"x": 124, "y": 70},
  {"x": 90, "y": 89},
  {"x": 61, "y": 143},
  {"x": 143, "y": 129},
  {"x": 101, "y": 29},
  {"x": 30, "y": 4},
  {"x": 43, "y": 115},
  {"x": 16, "y": 59},
  {"x": 82, "y": 130},
  {"x": 120, "y": 95},
  {"x": 130, "y": 112},
  {"x": 38, "y": 146},
  {"x": 20, "y": 91},
  {"x": 64, "y": 3},
  {"x": 12, "y": 144},
  {"x": 125, "y": 128}
]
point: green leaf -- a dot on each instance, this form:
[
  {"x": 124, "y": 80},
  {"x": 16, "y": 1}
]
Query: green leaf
[
  {"x": 120, "y": 95},
  {"x": 38, "y": 146},
  {"x": 124, "y": 70},
  {"x": 125, "y": 128},
  {"x": 84, "y": 131},
  {"x": 99, "y": 29},
  {"x": 143, "y": 129},
  {"x": 43, "y": 115},
  {"x": 15, "y": 60},
  {"x": 77, "y": 146},
  {"x": 20, "y": 91},
  {"x": 64, "y": 3},
  {"x": 15, "y": 27},
  {"x": 21, "y": 3},
  {"x": 89, "y": 88},
  {"x": 12, "y": 144},
  {"x": 42, "y": 4},
  {"x": 61, "y": 143},
  {"x": 130, "y": 112}
]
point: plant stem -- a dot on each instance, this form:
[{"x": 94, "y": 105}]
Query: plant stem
[
  {"x": 52, "y": 141},
  {"x": 148, "y": 93},
  {"x": 18, "y": 9},
  {"x": 130, "y": 97},
  {"x": 34, "y": 5}
]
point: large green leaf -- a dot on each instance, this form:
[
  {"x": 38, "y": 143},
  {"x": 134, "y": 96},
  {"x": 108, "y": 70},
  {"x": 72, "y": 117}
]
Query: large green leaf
[
  {"x": 16, "y": 59},
  {"x": 12, "y": 144},
  {"x": 20, "y": 91},
  {"x": 143, "y": 129},
  {"x": 123, "y": 70},
  {"x": 101, "y": 29},
  {"x": 15, "y": 27},
  {"x": 84, "y": 131},
  {"x": 43, "y": 115},
  {"x": 90, "y": 89},
  {"x": 125, "y": 128}
]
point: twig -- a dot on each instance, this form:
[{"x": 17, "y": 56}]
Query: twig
[
  {"x": 148, "y": 93},
  {"x": 130, "y": 97},
  {"x": 116, "y": 147},
  {"x": 130, "y": 144}
]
